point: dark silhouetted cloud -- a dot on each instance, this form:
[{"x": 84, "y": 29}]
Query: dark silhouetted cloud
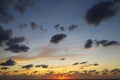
[
  {"x": 4, "y": 68},
  {"x": 57, "y": 26},
  {"x": 75, "y": 63},
  {"x": 37, "y": 65},
  {"x": 115, "y": 71},
  {"x": 14, "y": 45},
  {"x": 85, "y": 62},
  {"x": 95, "y": 64},
  {"x": 57, "y": 38},
  {"x": 17, "y": 48},
  {"x": 33, "y": 25},
  {"x": 101, "y": 11},
  {"x": 88, "y": 44},
  {"x": 44, "y": 66},
  {"x": 62, "y": 59},
  {"x": 4, "y": 35},
  {"x": 107, "y": 43},
  {"x": 27, "y": 66},
  {"x": 9, "y": 62}
]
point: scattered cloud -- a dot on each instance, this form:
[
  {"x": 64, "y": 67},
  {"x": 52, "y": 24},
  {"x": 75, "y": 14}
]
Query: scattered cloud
[
  {"x": 4, "y": 35},
  {"x": 62, "y": 59},
  {"x": 57, "y": 38},
  {"x": 95, "y": 64},
  {"x": 88, "y": 44},
  {"x": 101, "y": 11},
  {"x": 72, "y": 27},
  {"x": 6, "y": 6},
  {"x": 9, "y": 62},
  {"x": 85, "y": 62},
  {"x": 75, "y": 63},
  {"x": 105, "y": 43},
  {"x": 4, "y": 68},
  {"x": 27, "y": 66}
]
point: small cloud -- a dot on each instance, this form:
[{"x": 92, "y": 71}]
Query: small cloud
[
  {"x": 57, "y": 26},
  {"x": 57, "y": 38},
  {"x": 44, "y": 66},
  {"x": 4, "y": 68},
  {"x": 84, "y": 62},
  {"x": 72, "y": 27},
  {"x": 38, "y": 66},
  {"x": 62, "y": 59},
  {"x": 9, "y": 62},
  {"x": 101, "y": 11},
  {"x": 27, "y": 66},
  {"x": 75, "y": 63},
  {"x": 95, "y": 64},
  {"x": 33, "y": 25},
  {"x": 88, "y": 44}
]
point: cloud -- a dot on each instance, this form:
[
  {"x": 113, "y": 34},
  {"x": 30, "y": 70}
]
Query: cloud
[
  {"x": 115, "y": 71},
  {"x": 72, "y": 27},
  {"x": 88, "y": 44},
  {"x": 14, "y": 45},
  {"x": 85, "y": 62},
  {"x": 95, "y": 64},
  {"x": 75, "y": 63},
  {"x": 57, "y": 38},
  {"x": 69, "y": 28},
  {"x": 101, "y": 11},
  {"x": 27, "y": 66},
  {"x": 9, "y": 62},
  {"x": 33, "y": 25},
  {"x": 6, "y": 6},
  {"x": 62, "y": 59},
  {"x": 4, "y": 35},
  {"x": 42, "y": 65},
  {"x": 106, "y": 43},
  {"x": 4, "y": 68},
  {"x": 17, "y": 48}
]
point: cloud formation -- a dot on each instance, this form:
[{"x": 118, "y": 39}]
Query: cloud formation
[
  {"x": 4, "y": 68},
  {"x": 88, "y": 44},
  {"x": 105, "y": 43},
  {"x": 57, "y": 38},
  {"x": 27, "y": 66},
  {"x": 85, "y": 62},
  {"x": 9, "y": 62},
  {"x": 101, "y": 11},
  {"x": 4, "y": 35},
  {"x": 6, "y": 6}
]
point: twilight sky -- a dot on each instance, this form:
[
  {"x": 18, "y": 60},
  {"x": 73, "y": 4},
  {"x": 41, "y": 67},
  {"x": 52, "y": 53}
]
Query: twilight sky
[{"x": 60, "y": 35}]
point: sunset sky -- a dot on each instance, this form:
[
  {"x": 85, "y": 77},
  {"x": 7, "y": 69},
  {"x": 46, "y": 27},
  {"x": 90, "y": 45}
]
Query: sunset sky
[{"x": 59, "y": 37}]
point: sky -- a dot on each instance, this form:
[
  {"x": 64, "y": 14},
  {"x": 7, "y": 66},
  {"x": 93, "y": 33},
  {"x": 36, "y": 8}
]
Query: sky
[{"x": 62, "y": 38}]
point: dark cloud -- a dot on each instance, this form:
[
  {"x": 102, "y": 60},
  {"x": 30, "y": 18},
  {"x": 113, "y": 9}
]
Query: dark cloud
[
  {"x": 107, "y": 43},
  {"x": 95, "y": 64},
  {"x": 15, "y": 40},
  {"x": 4, "y": 68},
  {"x": 4, "y": 35},
  {"x": 17, "y": 48},
  {"x": 115, "y": 71},
  {"x": 84, "y": 62},
  {"x": 57, "y": 38},
  {"x": 38, "y": 66},
  {"x": 14, "y": 45},
  {"x": 62, "y": 59},
  {"x": 6, "y": 6},
  {"x": 88, "y": 44},
  {"x": 101, "y": 11},
  {"x": 44, "y": 66},
  {"x": 9, "y": 62},
  {"x": 72, "y": 27},
  {"x": 75, "y": 63},
  {"x": 27, "y": 66},
  {"x": 69, "y": 28}
]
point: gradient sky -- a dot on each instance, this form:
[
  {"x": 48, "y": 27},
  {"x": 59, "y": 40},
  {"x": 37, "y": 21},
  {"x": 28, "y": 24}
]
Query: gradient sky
[{"x": 48, "y": 13}]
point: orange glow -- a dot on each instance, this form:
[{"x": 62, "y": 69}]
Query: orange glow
[{"x": 61, "y": 77}]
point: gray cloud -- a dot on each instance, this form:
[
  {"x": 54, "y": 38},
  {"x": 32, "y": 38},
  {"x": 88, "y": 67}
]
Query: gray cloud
[
  {"x": 9, "y": 62},
  {"x": 101, "y": 11},
  {"x": 27, "y": 66},
  {"x": 57, "y": 38},
  {"x": 88, "y": 44},
  {"x": 4, "y": 68}
]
